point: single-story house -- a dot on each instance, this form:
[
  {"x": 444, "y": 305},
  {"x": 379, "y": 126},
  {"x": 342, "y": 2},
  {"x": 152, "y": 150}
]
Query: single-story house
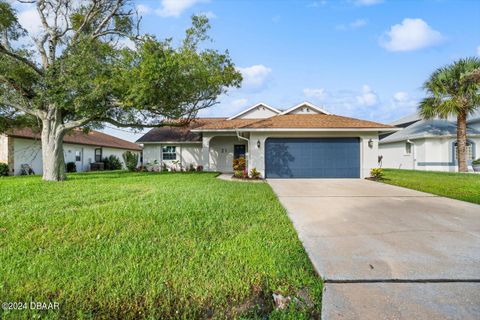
[
  {"x": 428, "y": 144},
  {"x": 23, "y": 146},
  {"x": 304, "y": 141}
]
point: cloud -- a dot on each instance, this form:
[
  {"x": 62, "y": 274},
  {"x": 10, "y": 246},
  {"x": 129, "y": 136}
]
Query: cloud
[
  {"x": 367, "y": 2},
  {"x": 356, "y": 24},
  {"x": 368, "y": 97},
  {"x": 174, "y": 8},
  {"x": 144, "y": 9},
  {"x": 411, "y": 34},
  {"x": 30, "y": 20},
  {"x": 402, "y": 100},
  {"x": 319, "y": 93},
  {"x": 255, "y": 77},
  {"x": 239, "y": 103},
  {"x": 209, "y": 14},
  {"x": 478, "y": 51}
]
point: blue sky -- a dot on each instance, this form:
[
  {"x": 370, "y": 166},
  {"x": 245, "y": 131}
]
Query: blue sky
[{"x": 360, "y": 58}]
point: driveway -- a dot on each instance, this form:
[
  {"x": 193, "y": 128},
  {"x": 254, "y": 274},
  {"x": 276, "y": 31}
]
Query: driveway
[{"x": 387, "y": 252}]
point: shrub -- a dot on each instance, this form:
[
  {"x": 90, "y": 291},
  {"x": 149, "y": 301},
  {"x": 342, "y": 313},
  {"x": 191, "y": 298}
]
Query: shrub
[
  {"x": 238, "y": 174},
  {"x": 254, "y": 174},
  {"x": 112, "y": 163},
  {"x": 131, "y": 160},
  {"x": 191, "y": 168},
  {"x": 71, "y": 167},
  {"x": 377, "y": 173},
  {"x": 239, "y": 164},
  {"x": 164, "y": 167},
  {"x": 476, "y": 162},
  {"x": 3, "y": 169},
  {"x": 199, "y": 168}
]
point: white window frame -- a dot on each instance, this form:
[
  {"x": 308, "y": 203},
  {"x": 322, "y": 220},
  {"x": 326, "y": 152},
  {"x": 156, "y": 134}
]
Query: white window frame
[{"x": 169, "y": 153}]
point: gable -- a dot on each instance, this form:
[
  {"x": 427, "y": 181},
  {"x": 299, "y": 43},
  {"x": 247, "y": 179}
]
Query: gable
[
  {"x": 258, "y": 111},
  {"x": 305, "y": 108}
]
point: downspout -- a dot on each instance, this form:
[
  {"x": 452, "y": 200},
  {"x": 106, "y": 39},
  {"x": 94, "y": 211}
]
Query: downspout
[
  {"x": 248, "y": 146},
  {"x": 413, "y": 152}
]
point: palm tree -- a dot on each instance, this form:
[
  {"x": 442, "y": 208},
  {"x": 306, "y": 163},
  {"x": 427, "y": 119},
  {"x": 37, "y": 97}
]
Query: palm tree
[{"x": 454, "y": 90}]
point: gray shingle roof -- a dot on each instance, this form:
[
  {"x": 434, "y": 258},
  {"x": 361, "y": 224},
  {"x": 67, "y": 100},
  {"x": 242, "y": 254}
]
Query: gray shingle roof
[{"x": 427, "y": 129}]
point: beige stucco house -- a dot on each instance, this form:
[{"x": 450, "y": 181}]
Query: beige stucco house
[
  {"x": 23, "y": 146},
  {"x": 304, "y": 141}
]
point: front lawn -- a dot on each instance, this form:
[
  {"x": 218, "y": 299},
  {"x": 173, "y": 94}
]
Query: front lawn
[
  {"x": 144, "y": 245},
  {"x": 459, "y": 186}
]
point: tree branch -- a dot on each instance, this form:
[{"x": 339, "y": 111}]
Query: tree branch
[
  {"x": 107, "y": 19},
  {"x": 21, "y": 59}
]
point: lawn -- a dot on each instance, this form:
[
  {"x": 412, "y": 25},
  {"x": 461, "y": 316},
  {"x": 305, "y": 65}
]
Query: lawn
[
  {"x": 459, "y": 186},
  {"x": 145, "y": 245}
]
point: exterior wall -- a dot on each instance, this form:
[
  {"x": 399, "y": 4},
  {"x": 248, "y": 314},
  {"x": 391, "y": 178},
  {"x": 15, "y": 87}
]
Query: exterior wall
[
  {"x": 432, "y": 154},
  {"x": 221, "y": 152},
  {"x": 187, "y": 153},
  {"x": 368, "y": 156},
  {"x": 259, "y": 112},
  {"x": 394, "y": 155},
  {"x": 29, "y": 151},
  {"x": 3, "y": 148}
]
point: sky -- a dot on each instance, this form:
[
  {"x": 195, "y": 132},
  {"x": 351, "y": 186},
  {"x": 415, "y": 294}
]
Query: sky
[{"x": 365, "y": 59}]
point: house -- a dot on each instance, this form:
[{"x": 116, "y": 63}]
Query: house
[
  {"x": 428, "y": 144},
  {"x": 304, "y": 141},
  {"x": 23, "y": 146}
]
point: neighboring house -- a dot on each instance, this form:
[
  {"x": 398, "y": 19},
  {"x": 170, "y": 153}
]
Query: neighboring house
[
  {"x": 23, "y": 146},
  {"x": 301, "y": 142},
  {"x": 428, "y": 144}
]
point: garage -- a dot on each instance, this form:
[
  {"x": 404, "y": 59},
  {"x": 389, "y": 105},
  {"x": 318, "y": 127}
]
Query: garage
[{"x": 312, "y": 158}]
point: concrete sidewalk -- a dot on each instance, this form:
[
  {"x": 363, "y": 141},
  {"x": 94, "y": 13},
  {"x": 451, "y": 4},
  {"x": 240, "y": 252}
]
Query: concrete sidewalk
[{"x": 385, "y": 251}]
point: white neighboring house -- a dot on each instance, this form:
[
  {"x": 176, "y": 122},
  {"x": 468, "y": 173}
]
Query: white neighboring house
[
  {"x": 428, "y": 144},
  {"x": 23, "y": 146},
  {"x": 304, "y": 141}
]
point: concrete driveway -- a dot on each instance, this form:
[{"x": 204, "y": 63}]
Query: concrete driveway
[{"x": 387, "y": 252}]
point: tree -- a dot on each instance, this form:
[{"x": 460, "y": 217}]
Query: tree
[
  {"x": 454, "y": 90},
  {"x": 78, "y": 73}
]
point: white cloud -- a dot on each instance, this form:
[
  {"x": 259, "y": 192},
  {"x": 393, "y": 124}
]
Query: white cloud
[
  {"x": 144, "y": 9},
  {"x": 239, "y": 103},
  {"x": 411, "y": 34},
  {"x": 209, "y": 14},
  {"x": 174, "y": 8},
  {"x": 367, "y": 2},
  {"x": 368, "y": 97},
  {"x": 30, "y": 20},
  {"x": 478, "y": 50},
  {"x": 400, "y": 96},
  {"x": 319, "y": 93},
  {"x": 402, "y": 101},
  {"x": 255, "y": 77}
]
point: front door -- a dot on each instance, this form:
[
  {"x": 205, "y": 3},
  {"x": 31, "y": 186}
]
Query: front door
[{"x": 238, "y": 151}]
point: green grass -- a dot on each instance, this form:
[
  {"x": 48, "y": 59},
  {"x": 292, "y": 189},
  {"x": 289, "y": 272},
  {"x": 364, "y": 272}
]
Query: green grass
[
  {"x": 144, "y": 245},
  {"x": 459, "y": 186}
]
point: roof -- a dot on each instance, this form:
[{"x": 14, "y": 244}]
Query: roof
[
  {"x": 297, "y": 121},
  {"x": 92, "y": 138},
  {"x": 427, "y": 129},
  {"x": 178, "y": 134},
  {"x": 474, "y": 117}
]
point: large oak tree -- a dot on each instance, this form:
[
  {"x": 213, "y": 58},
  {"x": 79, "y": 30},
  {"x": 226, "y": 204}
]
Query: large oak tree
[{"x": 78, "y": 73}]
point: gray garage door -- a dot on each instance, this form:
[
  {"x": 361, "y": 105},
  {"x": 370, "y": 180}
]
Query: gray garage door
[{"x": 312, "y": 158}]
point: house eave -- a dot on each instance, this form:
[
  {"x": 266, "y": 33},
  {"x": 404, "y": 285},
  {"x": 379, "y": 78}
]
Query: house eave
[{"x": 300, "y": 130}]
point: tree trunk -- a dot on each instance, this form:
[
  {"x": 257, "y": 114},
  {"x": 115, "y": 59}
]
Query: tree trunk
[
  {"x": 462, "y": 141},
  {"x": 52, "y": 150}
]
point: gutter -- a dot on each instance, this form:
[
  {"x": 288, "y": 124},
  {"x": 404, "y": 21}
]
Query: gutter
[{"x": 300, "y": 130}]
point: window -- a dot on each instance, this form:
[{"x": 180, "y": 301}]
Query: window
[
  {"x": 408, "y": 148},
  {"x": 78, "y": 156},
  {"x": 468, "y": 151},
  {"x": 169, "y": 153},
  {"x": 98, "y": 155}
]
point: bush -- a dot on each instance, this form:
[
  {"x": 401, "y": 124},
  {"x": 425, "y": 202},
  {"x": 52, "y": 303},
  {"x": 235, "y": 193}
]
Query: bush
[
  {"x": 238, "y": 174},
  {"x": 191, "y": 168},
  {"x": 239, "y": 164},
  {"x": 476, "y": 162},
  {"x": 254, "y": 174},
  {"x": 3, "y": 169},
  {"x": 131, "y": 160},
  {"x": 377, "y": 173},
  {"x": 71, "y": 167},
  {"x": 164, "y": 167},
  {"x": 199, "y": 168},
  {"x": 112, "y": 163}
]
